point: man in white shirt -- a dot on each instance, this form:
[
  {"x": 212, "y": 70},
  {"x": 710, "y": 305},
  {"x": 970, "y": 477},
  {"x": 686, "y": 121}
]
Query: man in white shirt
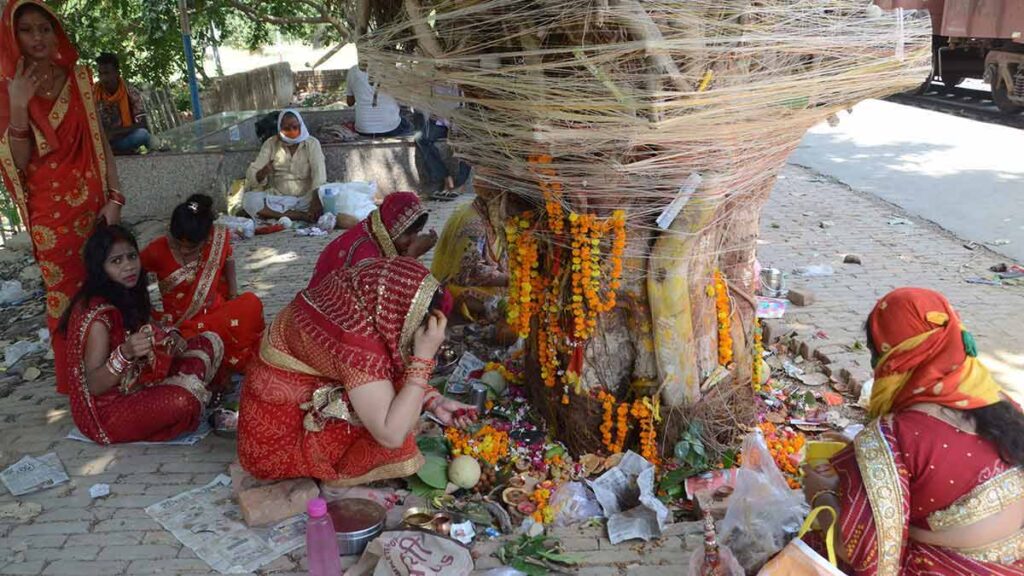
[{"x": 377, "y": 113}]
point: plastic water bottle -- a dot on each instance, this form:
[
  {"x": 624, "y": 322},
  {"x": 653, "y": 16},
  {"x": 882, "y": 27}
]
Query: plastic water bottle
[{"x": 321, "y": 541}]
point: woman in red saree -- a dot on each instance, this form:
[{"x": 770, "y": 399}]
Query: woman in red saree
[
  {"x": 131, "y": 381},
  {"x": 198, "y": 287},
  {"x": 342, "y": 377},
  {"x": 54, "y": 158},
  {"x": 934, "y": 485},
  {"x": 392, "y": 230}
]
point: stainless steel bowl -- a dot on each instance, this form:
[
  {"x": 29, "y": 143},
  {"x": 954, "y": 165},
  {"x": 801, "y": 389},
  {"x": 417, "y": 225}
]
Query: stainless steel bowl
[{"x": 357, "y": 521}]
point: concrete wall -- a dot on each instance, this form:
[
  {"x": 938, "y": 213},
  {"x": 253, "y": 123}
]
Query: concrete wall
[
  {"x": 155, "y": 183},
  {"x": 319, "y": 80}
]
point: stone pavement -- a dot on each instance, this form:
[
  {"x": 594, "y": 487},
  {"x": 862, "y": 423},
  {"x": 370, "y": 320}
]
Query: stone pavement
[
  {"x": 76, "y": 535},
  {"x": 811, "y": 219}
]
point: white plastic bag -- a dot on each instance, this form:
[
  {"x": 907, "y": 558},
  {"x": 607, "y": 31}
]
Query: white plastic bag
[
  {"x": 352, "y": 198},
  {"x": 244, "y": 227},
  {"x": 11, "y": 291},
  {"x": 729, "y": 565},
  {"x": 574, "y": 503},
  {"x": 764, "y": 513}
]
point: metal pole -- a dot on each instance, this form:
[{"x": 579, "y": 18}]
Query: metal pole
[{"x": 190, "y": 61}]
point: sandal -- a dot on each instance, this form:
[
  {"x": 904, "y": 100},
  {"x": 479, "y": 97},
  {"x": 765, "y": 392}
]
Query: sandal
[{"x": 445, "y": 195}]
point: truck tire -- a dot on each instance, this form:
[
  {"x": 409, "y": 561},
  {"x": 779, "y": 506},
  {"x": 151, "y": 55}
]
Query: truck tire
[{"x": 1002, "y": 99}]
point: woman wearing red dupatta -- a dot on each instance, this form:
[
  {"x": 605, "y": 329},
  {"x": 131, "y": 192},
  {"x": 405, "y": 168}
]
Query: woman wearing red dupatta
[
  {"x": 55, "y": 160},
  {"x": 131, "y": 381},
  {"x": 197, "y": 282},
  {"x": 935, "y": 484},
  {"x": 335, "y": 393},
  {"x": 392, "y": 230}
]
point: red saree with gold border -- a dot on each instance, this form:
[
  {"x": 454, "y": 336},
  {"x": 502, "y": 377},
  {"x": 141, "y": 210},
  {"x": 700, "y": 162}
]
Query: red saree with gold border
[
  {"x": 350, "y": 330},
  {"x": 194, "y": 297},
  {"x": 64, "y": 186},
  {"x": 914, "y": 470}
]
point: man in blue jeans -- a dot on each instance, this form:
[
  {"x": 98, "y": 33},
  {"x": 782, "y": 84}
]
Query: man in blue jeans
[{"x": 120, "y": 106}]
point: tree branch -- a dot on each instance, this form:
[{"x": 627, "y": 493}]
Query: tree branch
[{"x": 254, "y": 14}]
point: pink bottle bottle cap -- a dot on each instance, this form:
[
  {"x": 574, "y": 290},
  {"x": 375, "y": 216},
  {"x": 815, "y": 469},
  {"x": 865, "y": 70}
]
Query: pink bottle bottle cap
[{"x": 316, "y": 507}]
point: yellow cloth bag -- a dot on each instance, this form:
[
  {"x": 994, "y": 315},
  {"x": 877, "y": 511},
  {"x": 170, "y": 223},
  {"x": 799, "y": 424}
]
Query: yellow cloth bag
[{"x": 799, "y": 559}]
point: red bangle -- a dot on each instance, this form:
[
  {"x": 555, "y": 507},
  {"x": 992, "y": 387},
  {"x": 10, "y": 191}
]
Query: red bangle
[
  {"x": 17, "y": 132},
  {"x": 115, "y": 196}
]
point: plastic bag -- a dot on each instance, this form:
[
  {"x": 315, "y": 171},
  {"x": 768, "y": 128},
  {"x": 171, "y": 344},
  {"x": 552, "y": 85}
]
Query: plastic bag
[
  {"x": 11, "y": 292},
  {"x": 244, "y": 227},
  {"x": 729, "y": 565},
  {"x": 355, "y": 199},
  {"x": 764, "y": 513},
  {"x": 574, "y": 504}
]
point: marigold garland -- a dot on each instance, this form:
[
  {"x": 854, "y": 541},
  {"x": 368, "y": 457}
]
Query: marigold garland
[
  {"x": 544, "y": 513},
  {"x": 785, "y": 446},
  {"x": 644, "y": 413},
  {"x": 758, "y": 371},
  {"x": 525, "y": 284},
  {"x": 721, "y": 292},
  {"x": 486, "y": 444}
]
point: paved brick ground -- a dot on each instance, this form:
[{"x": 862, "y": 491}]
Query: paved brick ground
[{"x": 77, "y": 536}]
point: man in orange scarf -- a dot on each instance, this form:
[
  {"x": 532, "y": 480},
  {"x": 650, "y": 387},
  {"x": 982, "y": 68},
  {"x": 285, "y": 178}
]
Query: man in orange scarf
[{"x": 120, "y": 106}]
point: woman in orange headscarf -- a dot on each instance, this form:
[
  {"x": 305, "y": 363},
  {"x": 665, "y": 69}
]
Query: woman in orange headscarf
[
  {"x": 54, "y": 158},
  {"x": 934, "y": 485},
  {"x": 342, "y": 378}
]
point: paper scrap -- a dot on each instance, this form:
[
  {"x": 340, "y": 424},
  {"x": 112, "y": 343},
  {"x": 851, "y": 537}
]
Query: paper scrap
[
  {"x": 99, "y": 490},
  {"x": 669, "y": 214},
  {"x": 626, "y": 494},
  {"x": 209, "y": 522},
  {"x": 463, "y": 532},
  {"x": 33, "y": 474}
]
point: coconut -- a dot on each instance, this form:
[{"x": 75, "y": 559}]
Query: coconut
[
  {"x": 464, "y": 472},
  {"x": 495, "y": 381}
]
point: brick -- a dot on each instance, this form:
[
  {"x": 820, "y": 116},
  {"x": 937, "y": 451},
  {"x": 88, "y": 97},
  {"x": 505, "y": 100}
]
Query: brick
[
  {"x": 127, "y": 525},
  {"x": 50, "y": 528},
  {"x": 94, "y": 568},
  {"x": 51, "y": 541},
  {"x": 160, "y": 537},
  {"x": 139, "y": 552},
  {"x": 65, "y": 553},
  {"x": 801, "y": 297},
  {"x": 265, "y": 505},
  {"x": 195, "y": 468},
  {"x": 23, "y": 568},
  {"x": 174, "y": 566},
  {"x": 105, "y": 539}
]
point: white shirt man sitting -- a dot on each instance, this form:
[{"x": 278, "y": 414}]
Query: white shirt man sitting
[{"x": 377, "y": 113}]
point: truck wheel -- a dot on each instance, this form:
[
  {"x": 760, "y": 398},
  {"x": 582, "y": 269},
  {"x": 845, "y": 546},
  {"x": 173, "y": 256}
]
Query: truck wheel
[{"x": 1002, "y": 100}]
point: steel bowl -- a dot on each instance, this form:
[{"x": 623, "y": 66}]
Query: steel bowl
[{"x": 357, "y": 521}]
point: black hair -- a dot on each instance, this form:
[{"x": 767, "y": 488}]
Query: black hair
[
  {"x": 25, "y": 9},
  {"x": 193, "y": 219},
  {"x": 133, "y": 303},
  {"x": 1002, "y": 423},
  {"x": 109, "y": 59}
]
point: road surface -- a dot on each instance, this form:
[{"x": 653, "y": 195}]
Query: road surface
[{"x": 964, "y": 175}]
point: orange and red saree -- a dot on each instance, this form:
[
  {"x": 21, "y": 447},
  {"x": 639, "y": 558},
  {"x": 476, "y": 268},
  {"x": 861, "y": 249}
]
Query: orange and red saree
[
  {"x": 64, "y": 187},
  {"x": 195, "y": 297},
  {"x": 153, "y": 408},
  {"x": 350, "y": 330}
]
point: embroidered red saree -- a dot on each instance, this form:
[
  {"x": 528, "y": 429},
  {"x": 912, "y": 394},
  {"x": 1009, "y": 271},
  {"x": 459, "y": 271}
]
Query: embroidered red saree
[
  {"x": 156, "y": 410},
  {"x": 915, "y": 470},
  {"x": 195, "y": 297},
  {"x": 64, "y": 187},
  {"x": 910, "y": 469},
  {"x": 373, "y": 237},
  {"x": 349, "y": 330}
]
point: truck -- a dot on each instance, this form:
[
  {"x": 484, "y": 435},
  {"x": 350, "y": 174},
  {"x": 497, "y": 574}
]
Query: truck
[{"x": 981, "y": 39}]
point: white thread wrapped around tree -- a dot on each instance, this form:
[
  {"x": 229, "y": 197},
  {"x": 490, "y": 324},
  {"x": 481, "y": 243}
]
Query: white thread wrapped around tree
[{"x": 631, "y": 98}]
